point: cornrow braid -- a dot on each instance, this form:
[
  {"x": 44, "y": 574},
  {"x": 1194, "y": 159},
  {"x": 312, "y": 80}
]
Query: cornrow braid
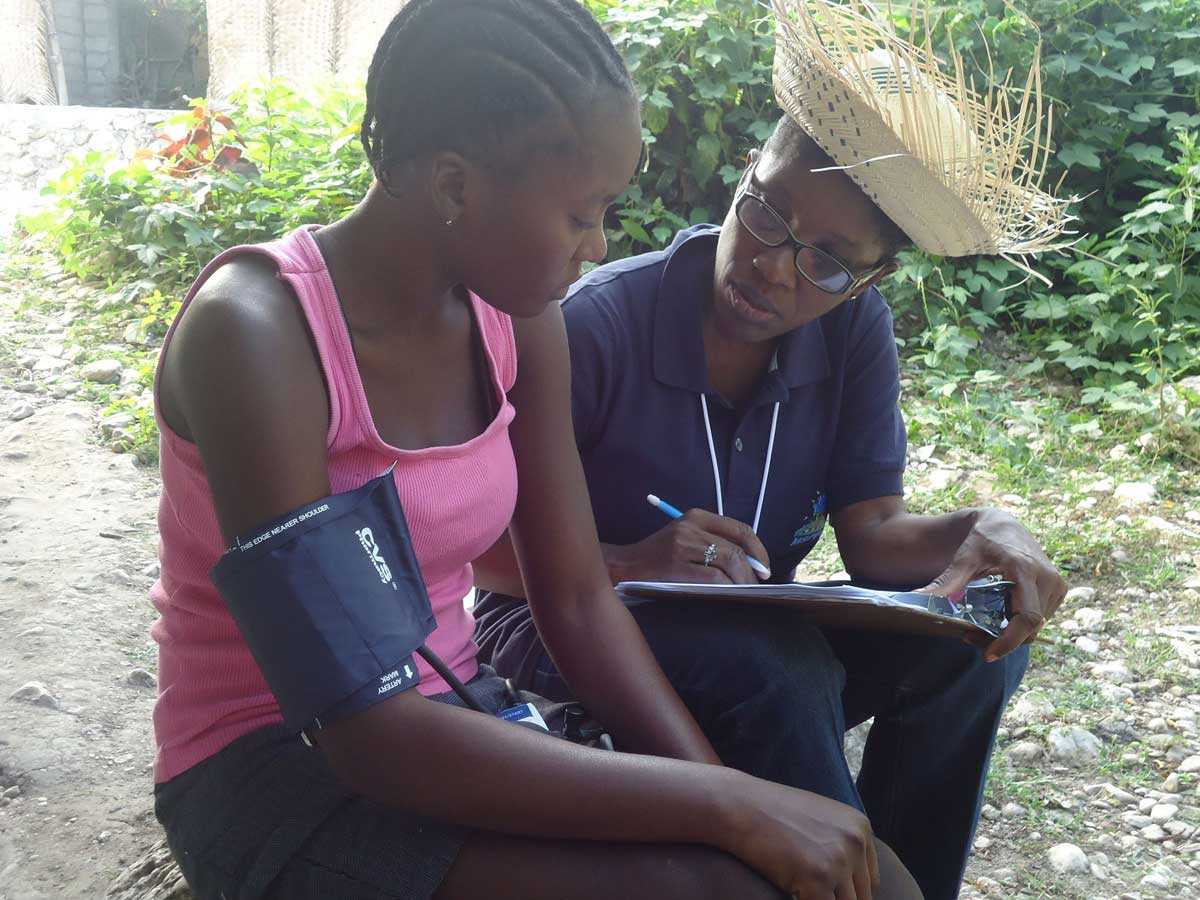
[{"x": 465, "y": 74}]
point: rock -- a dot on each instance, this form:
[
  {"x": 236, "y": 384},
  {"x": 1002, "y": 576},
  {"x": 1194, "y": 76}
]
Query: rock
[
  {"x": 1158, "y": 523},
  {"x": 1134, "y": 493},
  {"x": 1158, "y": 725},
  {"x": 1116, "y": 730},
  {"x": 939, "y": 479},
  {"x": 48, "y": 364},
  {"x": 151, "y": 570},
  {"x": 134, "y": 333},
  {"x": 13, "y": 792},
  {"x": 983, "y": 843},
  {"x": 1012, "y": 810},
  {"x": 1116, "y": 672},
  {"x": 1080, "y": 594},
  {"x": 154, "y": 876},
  {"x": 1074, "y": 746},
  {"x": 103, "y": 371},
  {"x": 1179, "y": 828},
  {"x": 24, "y": 167},
  {"x": 1115, "y": 693},
  {"x": 1067, "y": 859},
  {"x": 1088, "y": 646},
  {"x": 1025, "y": 752},
  {"x": 141, "y": 678},
  {"x": 1171, "y": 784},
  {"x": 1191, "y": 764},
  {"x": 22, "y": 410},
  {"x": 1031, "y": 707},
  {"x": 1154, "y": 833},
  {"x": 1159, "y": 879},
  {"x": 35, "y": 693},
  {"x": 1089, "y": 618},
  {"x": 1163, "y": 812},
  {"x": 112, "y": 424},
  {"x": 989, "y": 812}
]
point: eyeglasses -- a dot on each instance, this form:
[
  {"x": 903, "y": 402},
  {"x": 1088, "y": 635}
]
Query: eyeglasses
[{"x": 823, "y": 270}]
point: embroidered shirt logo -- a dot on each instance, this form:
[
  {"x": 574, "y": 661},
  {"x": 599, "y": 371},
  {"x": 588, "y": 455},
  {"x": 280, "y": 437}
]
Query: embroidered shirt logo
[
  {"x": 811, "y": 528},
  {"x": 367, "y": 539}
]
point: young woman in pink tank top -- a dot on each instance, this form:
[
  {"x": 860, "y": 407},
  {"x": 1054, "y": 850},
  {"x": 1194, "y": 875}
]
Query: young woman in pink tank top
[{"x": 499, "y": 131}]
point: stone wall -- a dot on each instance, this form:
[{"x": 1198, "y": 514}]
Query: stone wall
[{"x": 36, "y": 140}]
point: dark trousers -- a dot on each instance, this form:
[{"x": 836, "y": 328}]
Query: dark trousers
[{"x": 775, "y": 697}]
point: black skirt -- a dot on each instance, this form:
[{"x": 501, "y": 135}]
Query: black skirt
[{"x": 266, "y": 817}]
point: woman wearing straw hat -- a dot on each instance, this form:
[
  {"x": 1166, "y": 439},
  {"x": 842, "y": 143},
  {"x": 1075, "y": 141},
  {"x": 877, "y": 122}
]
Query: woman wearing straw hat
[{"x": 748, "y": 374}]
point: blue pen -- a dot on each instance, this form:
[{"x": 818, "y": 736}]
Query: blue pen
[{"x": 676, "y": 514}]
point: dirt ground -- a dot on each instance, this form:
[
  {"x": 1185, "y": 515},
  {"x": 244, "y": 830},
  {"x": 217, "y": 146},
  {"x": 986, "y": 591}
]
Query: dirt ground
[{"x": 77, "y": 556}]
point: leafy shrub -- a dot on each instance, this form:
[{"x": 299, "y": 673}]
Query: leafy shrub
[
  {"x": 1124, "y": 82},
  {"x": 703, "y": 70},
  {"x": 142, "y": 223}
]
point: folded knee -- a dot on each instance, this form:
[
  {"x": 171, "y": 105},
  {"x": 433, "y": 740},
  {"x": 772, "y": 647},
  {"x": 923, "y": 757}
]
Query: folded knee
[{"x": 704, "y": 874}]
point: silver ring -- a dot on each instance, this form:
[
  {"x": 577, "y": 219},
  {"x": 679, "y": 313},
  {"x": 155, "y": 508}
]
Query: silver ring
[{"x": 710, "y": 554}]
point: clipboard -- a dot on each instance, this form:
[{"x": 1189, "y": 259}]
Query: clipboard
[{"x": 850, "y": 606}]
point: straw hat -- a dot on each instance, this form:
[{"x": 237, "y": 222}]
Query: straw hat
[{"x": 957, "y": 170}]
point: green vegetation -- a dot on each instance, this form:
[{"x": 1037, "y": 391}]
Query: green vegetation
[{"x": 1118, "y": 322}]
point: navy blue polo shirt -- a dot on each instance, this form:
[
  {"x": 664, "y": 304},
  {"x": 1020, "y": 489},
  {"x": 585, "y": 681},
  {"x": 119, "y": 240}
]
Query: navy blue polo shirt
[{"x": 638, "y": 370}]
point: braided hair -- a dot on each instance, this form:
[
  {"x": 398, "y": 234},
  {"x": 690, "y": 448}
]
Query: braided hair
[{"x": 465, "y": 75}]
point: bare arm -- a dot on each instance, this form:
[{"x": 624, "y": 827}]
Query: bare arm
[
  {"x": 593, "y": 640},
  {"x": 880, "y": 541}
]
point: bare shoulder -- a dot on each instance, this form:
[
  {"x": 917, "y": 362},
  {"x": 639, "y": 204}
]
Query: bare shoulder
[
  {"x": 242, "y": 381},
  {"x": 243, "y": 332}
]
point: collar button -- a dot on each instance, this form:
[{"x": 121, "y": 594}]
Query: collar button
[{"x": 737, "y": 444}]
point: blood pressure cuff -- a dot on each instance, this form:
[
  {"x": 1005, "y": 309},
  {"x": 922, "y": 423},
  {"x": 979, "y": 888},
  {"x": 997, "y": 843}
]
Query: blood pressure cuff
[{"x": 330, "y": 600}]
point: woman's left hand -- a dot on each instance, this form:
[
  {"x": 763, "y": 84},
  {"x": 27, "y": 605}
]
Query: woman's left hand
[{"x": 998, "y": 544}]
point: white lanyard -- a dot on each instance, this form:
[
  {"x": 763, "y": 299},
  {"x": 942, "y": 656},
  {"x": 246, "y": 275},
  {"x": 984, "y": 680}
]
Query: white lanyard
[{"x": 712, "y": 453}]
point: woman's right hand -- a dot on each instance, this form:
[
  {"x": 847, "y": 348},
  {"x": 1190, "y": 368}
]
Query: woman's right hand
[
  {"x": 676, "y": 552},
  {"x": 809, "y": 846}
]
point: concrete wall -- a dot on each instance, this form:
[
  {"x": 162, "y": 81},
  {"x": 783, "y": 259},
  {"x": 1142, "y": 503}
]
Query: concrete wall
[{"x": 90, "y": 41}]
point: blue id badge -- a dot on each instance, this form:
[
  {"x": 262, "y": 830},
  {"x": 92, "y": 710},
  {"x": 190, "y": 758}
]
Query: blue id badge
[{"x": 524, "y": 714}]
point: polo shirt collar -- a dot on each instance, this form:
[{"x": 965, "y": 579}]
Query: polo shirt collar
[{"x": 678, "y": 342}]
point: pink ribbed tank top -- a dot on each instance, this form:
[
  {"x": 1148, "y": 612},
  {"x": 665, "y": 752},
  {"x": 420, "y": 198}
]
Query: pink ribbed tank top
[{"x": 458, "y": 500}]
